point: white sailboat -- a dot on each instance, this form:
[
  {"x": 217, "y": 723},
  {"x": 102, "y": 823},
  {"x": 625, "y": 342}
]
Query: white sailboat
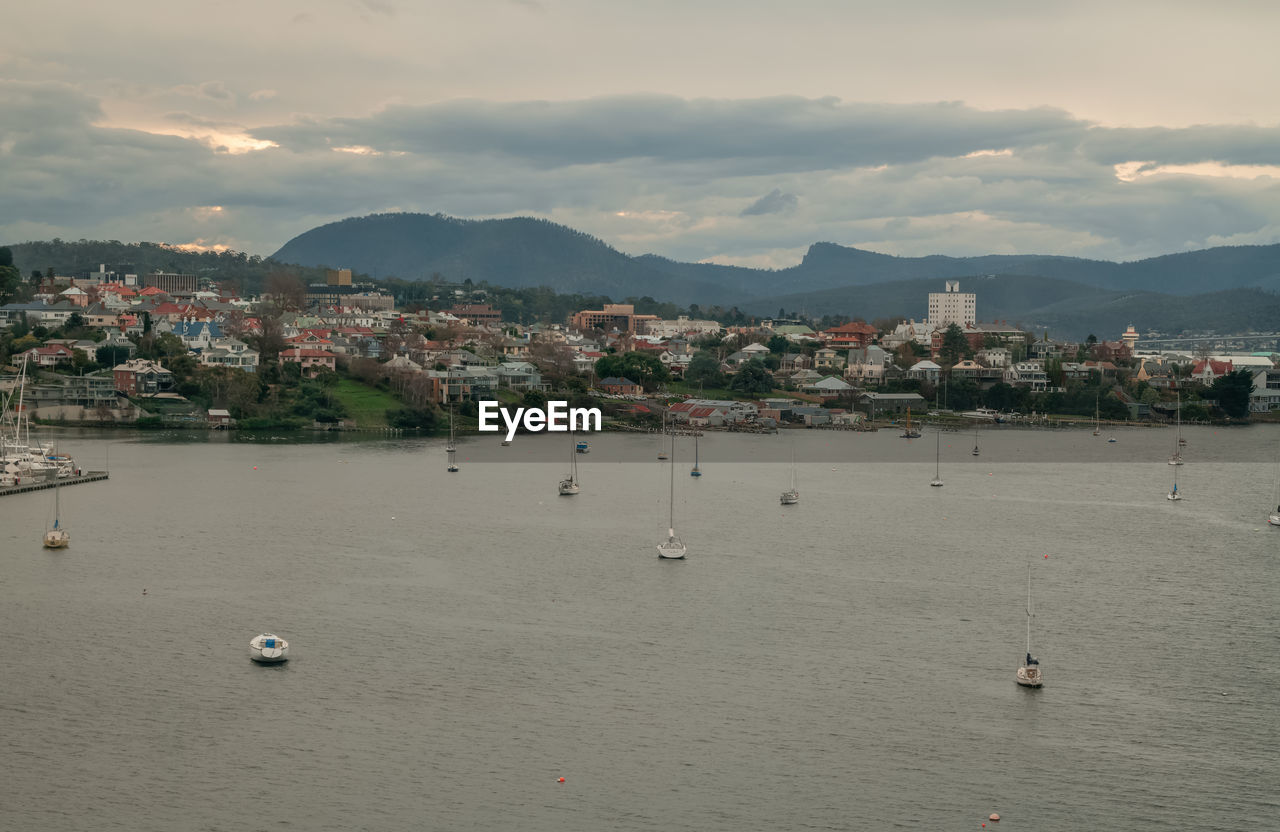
[
  {"x": 975, "y": 441},
  {"x": 569, "y": 486},
  {"x": 57, "y": 537},
  {"x": 1097, "y": 428},
  {"x": 1174, "y": 495},
  {"x": 662, "y": 438},
  {"x": 673, "y": 548},
  {"x": 1176, "y": 459},
  {"x": 1029, "y": 675},
  {"x": 696, "y": 472},
  {"x": 937, "y": 465},
  {"x": 791, "y": 496},
  {"x": 450, "y": 449}
]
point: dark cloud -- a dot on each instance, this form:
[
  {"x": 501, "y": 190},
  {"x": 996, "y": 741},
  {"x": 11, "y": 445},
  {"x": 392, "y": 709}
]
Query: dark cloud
[
  {"x": 646, "y": 173},
  {"x": 785, "y": 132},
  {"x": 773, "y": 202}
]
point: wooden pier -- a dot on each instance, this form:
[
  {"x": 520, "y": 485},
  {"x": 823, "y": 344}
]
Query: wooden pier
[{"x": 22, "y": 488}]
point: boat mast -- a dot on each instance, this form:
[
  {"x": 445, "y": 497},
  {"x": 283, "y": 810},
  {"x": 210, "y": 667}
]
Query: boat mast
[
  {"x": 671, "y": 517},
  {"x": 1028, "y": 609},
  {"x": 937, "y": 458}
]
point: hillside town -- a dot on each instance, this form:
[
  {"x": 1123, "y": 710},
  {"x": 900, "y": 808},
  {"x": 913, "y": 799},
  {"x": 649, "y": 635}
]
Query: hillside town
[{"x": 110, "y": 346}]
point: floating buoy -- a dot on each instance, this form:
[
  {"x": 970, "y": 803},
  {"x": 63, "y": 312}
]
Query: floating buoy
[
  {"x": 255, "y": 467},
  {"x": 561, "y": 779}
]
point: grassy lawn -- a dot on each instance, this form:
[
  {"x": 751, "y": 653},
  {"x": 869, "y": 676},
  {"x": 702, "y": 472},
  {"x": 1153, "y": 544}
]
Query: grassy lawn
[{"x": 365, "y": 404}]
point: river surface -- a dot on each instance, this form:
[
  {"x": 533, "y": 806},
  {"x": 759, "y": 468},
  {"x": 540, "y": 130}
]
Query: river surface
[{"x": 460, "y": 642}]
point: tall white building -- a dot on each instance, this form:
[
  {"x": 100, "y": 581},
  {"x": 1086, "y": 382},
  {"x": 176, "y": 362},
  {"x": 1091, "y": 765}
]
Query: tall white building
[{"x": 952, "y": 307}]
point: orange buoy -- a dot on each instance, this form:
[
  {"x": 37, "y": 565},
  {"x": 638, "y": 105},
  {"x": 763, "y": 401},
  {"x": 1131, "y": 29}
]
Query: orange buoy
[{"x": 561, "y": 779}]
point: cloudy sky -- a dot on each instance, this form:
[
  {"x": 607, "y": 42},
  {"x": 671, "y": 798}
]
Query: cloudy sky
[{"x": 732, "y": 131}]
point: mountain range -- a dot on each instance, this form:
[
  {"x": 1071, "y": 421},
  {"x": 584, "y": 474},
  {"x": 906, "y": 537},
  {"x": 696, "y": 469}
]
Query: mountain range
[
  {"x": 1064, "y": 294},
  {"x": 1225, "y": 289}
]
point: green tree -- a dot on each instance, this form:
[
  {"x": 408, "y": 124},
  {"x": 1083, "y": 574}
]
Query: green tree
[
  {"x": 704, "y": 368},
  {"x": 954, "y": 345},
  {"x": 752, "y": 379},
  {"x": 778, "y": 344},
  {"x": 111, "y": 356},
  {"x": 644, "y": 368},
  {"x": 10, "y": 280},
  {"x": 1232, "y": 391}
]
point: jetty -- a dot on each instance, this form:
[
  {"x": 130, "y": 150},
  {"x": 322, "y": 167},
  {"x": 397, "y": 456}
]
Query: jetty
[{"x": 24, "y": 487}]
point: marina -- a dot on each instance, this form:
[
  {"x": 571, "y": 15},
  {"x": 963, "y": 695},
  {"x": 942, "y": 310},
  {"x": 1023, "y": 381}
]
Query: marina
[{"x": 25, "y": 487}]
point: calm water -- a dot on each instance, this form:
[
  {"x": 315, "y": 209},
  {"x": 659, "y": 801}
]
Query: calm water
[{"x": 460, "y": 642}]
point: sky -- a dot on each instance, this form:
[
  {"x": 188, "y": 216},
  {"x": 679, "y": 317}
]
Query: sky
[{"x": 704, "y": 130}]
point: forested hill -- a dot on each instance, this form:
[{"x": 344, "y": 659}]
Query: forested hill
[
  {"x": 67, "y": 257},
  {"x": 518, "y": 252}
]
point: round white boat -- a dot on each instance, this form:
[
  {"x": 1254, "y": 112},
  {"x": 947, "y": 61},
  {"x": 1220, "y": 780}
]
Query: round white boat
[
  {"x": 1274, "y": 519},
  {"x": 269, "y": 648}
]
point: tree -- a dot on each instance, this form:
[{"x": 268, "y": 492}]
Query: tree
[
  {"x": 752, "y": 379},
  {"x": 954, "y": 345},
  {"x": 287, "y": 291},
  {"x": 704, "y": 368},
  {"x": 1232, "y": 391},
  {"x": 778, "y": 344},
  {"x": 10, "y": 280},
  {"x": 644, "y": 368}
]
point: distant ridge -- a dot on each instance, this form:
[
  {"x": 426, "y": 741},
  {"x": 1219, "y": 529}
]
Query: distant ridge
[
  {"x": 531, "y": 252},
  {"x": 516, "y": 252}
]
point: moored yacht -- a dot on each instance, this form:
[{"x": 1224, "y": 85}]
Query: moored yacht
[{"x": 269, "y": 648}]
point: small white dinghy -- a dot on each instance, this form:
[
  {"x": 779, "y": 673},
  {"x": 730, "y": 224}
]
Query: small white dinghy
[{"x": 269, "y": 648}]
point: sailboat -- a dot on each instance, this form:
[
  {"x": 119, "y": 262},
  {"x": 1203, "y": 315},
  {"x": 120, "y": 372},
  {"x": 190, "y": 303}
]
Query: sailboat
[
  {"x": 1029, "y": 675},
  {"x": 696, "y": 472},
  {"x": 450, "y": 450},
  {"x": 910, "y": 433},
  {"x": 1097, "y": 428},
  {"x": 57, "y": 537},
  {"x": 569, "y": 486},
  {"x": 1176, "y": 459},
  {"x": 791, "y": 496},
  {"x": 673, "y": 548},
  {"x": 937, "y": 470},
  {"x": 662, "y": 448},
  {"x": 1174, "y": 495},
  {"x": 975, "y": 441}
]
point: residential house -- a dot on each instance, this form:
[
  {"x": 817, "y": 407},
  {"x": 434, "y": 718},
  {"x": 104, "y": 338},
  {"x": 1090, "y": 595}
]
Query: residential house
[
  {"x": 1028, "y": 374},
  {"x": 867, "y": 366},
  {"x": 1207, "y": 371},
  {"x": 925, "y": 370},
  {"x": 620, "y": 386},
  {"x": 311, "y": 361},
  {"x": 230, "y": 352},
  {"x": 219, "y": 418},
  {"x": 142, "y": 377},
  {"x": 828, "y": 359},
  {"x": 48, "y": 356},
  {"x": 829, "y": 388},
  {"x": 520, "y": 375},
  {"x": 857, "y": 334},
  {"x": 1265, "y": 395}
]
